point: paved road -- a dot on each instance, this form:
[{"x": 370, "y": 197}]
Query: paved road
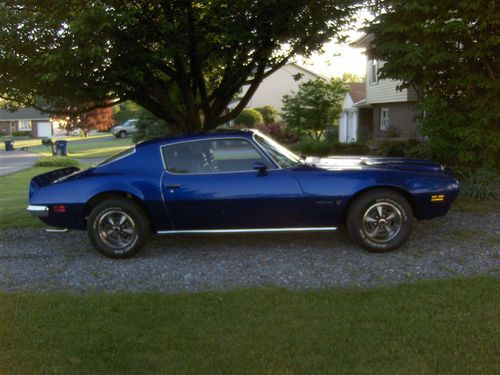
[
  {"x": 15, "y": 161},
  {"x": 457, "y": 245}
]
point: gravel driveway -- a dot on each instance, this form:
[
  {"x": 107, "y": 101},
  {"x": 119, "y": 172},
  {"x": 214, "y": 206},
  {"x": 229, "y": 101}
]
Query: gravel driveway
[{"x": 459, "y": 244}]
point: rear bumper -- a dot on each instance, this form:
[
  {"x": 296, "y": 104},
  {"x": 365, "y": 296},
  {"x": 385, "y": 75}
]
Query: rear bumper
[{"x": 38, "y": 211}]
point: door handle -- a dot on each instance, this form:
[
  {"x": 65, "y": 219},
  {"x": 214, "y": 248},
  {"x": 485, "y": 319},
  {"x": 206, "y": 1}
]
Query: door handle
[{"x": 173, "y": 186}]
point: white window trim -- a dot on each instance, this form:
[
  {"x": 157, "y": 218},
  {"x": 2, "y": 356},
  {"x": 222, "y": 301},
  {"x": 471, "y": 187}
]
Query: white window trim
[
  {"x": 24, "y": 125},
  {"x": 384, "y": 119},
  {"x": 373, "y": 73}
]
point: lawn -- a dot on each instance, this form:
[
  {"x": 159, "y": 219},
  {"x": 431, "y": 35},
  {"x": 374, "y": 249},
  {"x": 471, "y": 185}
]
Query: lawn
[
  {"x": 33, "y": 142},
  {"x": 434, "y": 327}
]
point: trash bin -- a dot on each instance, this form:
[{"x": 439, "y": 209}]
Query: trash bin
[
  {"x": 9, "y": 145},
  {"x": 61, "y": 147},
  {"x": 46, "y": 141}
]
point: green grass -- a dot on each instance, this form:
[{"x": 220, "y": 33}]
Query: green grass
[
  {"x": 14, "y": 199},
  {"x": 91, "y": 149},
  {"x": 466, "y": 204},
  {"x": 36, "y": 142},
  {"x": 438, "y": 327}
]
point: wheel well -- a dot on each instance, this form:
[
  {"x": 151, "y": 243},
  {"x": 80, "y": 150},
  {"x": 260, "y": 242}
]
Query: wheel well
[
  {"x": 95, "y": 200},
  {"x": 401, "y": 191}
]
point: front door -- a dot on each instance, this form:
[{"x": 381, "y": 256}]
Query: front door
[{"x": 212, "y": 184}]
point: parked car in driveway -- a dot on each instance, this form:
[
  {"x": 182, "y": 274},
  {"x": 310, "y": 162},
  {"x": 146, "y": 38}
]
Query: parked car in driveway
[
  {"x": 125, "y": 129},
  {"x": 239, "y": 181}
]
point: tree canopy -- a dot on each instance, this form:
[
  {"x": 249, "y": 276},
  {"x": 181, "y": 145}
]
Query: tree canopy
[
  {"x": 182, "y": 60},
  {"x": 315, "y": 106},
  {"x": 448, "y": 51}
]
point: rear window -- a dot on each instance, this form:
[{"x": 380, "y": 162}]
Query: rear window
[{"x": 122, "y": 154}]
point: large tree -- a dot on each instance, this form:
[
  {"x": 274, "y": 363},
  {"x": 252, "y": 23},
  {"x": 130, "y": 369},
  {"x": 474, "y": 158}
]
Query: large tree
[
  {"x": 182, "y": 60},
  {"x": 448, "y": 51}
]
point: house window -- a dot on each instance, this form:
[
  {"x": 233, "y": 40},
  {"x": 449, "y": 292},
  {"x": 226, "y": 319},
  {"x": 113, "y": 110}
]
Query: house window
[
  {"x": 384, "y": 119},
  {"x": 24, "y": 125},
  {"x": 374, "y": 72}
]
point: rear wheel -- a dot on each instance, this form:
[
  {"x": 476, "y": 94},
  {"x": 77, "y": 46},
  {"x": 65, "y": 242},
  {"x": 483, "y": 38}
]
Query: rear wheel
[
  {"x": 122, "y": 134},
  {"x": 380, "y": 220},
  {"x": 118, "y": 228}
]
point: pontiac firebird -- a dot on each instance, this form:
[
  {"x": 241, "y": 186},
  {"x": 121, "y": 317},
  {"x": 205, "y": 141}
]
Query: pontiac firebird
[{"x": 239, "y": 181}]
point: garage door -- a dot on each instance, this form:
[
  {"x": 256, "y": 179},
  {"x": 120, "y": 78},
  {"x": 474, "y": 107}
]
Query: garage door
[{"x": 44, "y": 129}]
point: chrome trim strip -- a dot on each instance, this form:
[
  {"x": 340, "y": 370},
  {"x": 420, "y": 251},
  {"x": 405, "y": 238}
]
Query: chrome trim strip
[
  {"x": 55, "y": 230},
  {"x": 257, "y": 230},
  {"x": 38, "y": 211}
]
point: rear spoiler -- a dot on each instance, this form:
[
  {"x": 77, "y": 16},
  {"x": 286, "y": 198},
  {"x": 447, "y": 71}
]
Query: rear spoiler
[{"x": 48, "y": 178}]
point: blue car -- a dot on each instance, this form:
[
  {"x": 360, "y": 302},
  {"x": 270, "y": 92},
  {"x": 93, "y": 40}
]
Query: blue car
[{"x": 239, "y": 181}]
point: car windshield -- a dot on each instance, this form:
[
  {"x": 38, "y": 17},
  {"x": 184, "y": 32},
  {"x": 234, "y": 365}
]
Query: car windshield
[{"x": 284, "y": 157}]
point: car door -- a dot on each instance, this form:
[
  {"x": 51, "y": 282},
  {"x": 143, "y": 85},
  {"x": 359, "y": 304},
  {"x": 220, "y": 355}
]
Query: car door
[{"x": 212, "y": 184}]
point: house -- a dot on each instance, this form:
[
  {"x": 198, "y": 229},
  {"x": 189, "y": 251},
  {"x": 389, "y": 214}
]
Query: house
[
  {"x": 29, "y": 120},
  {"x": 355, "y": 123},
  {"x": 393, "y": 111},
  {"x": 282, "y": 82}
]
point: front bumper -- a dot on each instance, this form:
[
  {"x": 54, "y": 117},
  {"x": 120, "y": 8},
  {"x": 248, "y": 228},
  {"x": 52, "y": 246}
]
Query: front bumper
[{"x": 38, "y": 211}]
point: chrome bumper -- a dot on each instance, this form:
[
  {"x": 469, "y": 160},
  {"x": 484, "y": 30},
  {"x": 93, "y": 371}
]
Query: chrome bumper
[{"x": 38, "y": 211}]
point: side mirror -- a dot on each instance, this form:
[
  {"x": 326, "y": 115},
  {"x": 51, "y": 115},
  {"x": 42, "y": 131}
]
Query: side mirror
[{"x": 261, "y": 167}]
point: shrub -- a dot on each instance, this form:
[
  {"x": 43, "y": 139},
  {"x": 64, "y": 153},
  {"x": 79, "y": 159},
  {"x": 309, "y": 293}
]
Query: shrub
[
  {"x": 312, "y": 147},
  {"x": 268, "y": 113},
  {"x": 149, "y": 126},
  {"x": 57, "y": 161},
  {"x": 355, "y": 148},
  {"x": 249, "y": 117},
  {"x": 479, "y": 184},
  {"x": 20, "y": 134},
  {"x": 410, "y": 149},
  {"x": 279, "y": 132}
]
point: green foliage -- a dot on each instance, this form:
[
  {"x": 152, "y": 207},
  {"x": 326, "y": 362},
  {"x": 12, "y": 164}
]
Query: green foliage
[
  {"x": 125, "y": 111},
  {"x": 182, "y": 61},
  {"x": 352, "y": 78},
  {"x": 249, "y": 117},
  {"x": 149, "y": 126},
  {"x": 410, "y": 149},
  {"x": 268, "y": 113},
  {"x": 57, "y": 161},
  {"x": 315, "y": 106},
  {"x": 21, "y": 134},
  {"x": 452, "y": 62},
  {"x": 480, "y": 184},
  {"x": 279, "y": 132},
  {"x": 312, "y": 147}
]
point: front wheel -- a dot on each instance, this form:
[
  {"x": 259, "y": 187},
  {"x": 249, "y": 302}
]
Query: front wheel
[
  {"x": 380, "y": 220},
  {"x": 118, "y": 228},
  {"x": 122, "y": 134}
]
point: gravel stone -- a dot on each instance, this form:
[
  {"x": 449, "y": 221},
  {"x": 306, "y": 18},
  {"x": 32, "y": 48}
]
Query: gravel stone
[{"x": 459, "y": 244}]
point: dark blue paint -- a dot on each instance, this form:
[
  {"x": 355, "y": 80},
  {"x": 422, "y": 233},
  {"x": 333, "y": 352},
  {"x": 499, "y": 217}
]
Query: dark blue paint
[{"x": 303, "y": 196}]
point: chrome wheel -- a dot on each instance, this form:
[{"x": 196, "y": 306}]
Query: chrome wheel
[
  {"x": 382, "y": 222},
  {"x": 116, "y": 229}
]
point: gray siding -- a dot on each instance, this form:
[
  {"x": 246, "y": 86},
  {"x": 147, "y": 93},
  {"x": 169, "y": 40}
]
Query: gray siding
[{"x": 401, "y": 120}]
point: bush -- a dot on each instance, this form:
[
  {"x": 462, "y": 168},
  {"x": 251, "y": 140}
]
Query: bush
[
  {"x": 21, "y": 134},
  {"x": 312, "y": 147},
  {"x": 408, "y": 149},
  {"x": 279, "y": 132},
  {"x": 57, "y": 161},
  {"x": 354, "y": 149},
  {"x": 481, "y": 184},
  {"x": 268, "y": 113},
  {"x": 249, "y": 117},
  {"x": 149, "y": 126}
]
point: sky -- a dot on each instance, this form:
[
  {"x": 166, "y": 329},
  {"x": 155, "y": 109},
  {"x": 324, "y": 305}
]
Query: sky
[{"x": 337, "y": 59}]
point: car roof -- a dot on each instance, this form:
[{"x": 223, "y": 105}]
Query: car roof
[{"x": 225, "y": 133}]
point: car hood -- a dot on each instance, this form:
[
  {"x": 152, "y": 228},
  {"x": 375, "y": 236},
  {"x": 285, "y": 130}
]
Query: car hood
[{"x": 363, "y": 162}]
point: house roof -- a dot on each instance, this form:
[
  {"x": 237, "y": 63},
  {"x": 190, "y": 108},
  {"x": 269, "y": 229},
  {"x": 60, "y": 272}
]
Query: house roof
[
  {"x": 363, "y": 41},
  {"x": 357, "y": 91},
  {"x": 23, "y": 114}
]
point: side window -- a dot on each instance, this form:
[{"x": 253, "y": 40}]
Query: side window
[
  {"x": 212, "y": 156},
  {"x": 384, "y": 119}
]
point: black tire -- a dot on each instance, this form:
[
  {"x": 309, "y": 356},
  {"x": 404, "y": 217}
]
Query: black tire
[
  {"x": 130, "y": 236},
  {"x": 122, "y": 134},
  {"x": 375, "y": 232}
]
